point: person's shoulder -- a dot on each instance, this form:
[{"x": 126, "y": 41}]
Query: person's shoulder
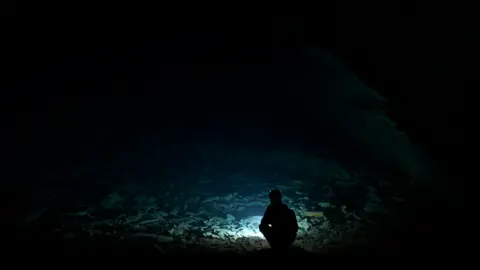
[{"x": 269, "y": 207}]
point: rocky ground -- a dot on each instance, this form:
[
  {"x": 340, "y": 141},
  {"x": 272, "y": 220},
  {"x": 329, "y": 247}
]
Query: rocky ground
[{"x": 171, "y": 217}]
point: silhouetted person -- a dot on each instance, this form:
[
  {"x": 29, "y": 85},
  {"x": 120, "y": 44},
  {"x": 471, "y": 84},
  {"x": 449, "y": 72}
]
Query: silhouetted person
[{"x": 279, "y": 223}]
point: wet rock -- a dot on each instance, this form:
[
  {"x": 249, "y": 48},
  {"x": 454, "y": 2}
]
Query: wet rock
[
  {"x": 143, "y": 201},
  {"x": 316, "y": 214},
  {"x": 230, "y": 218},
  {"x": 303, "y": 225},
  {"x": 211, "y": 199},
  {"x": 371, "y": 207},
  {"x": 161, "y": 214},
  {"x": 114, "y": 200},
  {"x": 174, "y": 211},
  {"x": 325, "y": 204}
]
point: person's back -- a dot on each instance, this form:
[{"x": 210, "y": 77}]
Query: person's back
[{"x": 279, "y": 223}]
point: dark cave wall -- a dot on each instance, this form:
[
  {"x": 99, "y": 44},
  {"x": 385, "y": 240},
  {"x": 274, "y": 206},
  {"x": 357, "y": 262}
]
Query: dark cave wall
[
  {"x": 420, "y": 66},
  {"x": 412, "y": 55},
  {"x": 387, "y": 61}
]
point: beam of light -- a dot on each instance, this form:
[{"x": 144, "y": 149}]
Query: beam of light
[
  {"x": 249, "y": 227},
  {"x": 247, "y": 232}
]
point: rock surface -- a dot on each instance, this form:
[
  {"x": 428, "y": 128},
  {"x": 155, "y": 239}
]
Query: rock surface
[{"x": 172, "y": 217}]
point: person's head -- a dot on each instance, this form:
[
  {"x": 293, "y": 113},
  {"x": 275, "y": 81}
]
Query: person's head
[{"x": 275, "y": 196}]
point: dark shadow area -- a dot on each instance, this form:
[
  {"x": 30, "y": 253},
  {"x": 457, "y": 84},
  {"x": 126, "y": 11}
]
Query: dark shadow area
[{"x": 165, "y": 141}]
